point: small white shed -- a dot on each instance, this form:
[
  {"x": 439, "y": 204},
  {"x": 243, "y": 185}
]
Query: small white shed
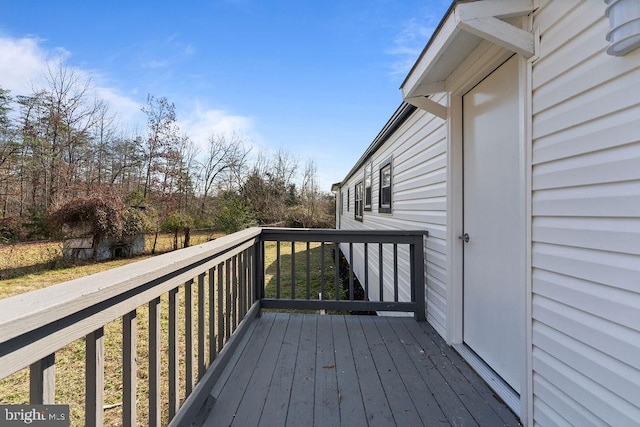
[{"x": 517, "y": 147}]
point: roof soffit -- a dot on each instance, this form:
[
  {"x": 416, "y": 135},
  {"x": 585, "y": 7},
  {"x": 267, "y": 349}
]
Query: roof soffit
[{"x": 463, "y": 29}]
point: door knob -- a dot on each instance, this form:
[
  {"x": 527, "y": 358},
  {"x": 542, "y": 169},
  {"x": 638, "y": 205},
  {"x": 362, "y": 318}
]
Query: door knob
[{"x": 464, "y": 237}]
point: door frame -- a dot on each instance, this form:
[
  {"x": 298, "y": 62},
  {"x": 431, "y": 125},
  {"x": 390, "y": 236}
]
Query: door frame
[{"x": 483, "y": 61}]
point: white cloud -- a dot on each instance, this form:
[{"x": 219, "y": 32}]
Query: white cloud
[
  {"x": 128, "y": 113},
  {"x": 409, "y": 43},
  {"x": 23, "y": 63},
  {"x": 202, "y": 123}
]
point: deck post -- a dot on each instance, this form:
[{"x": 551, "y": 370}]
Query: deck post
[{"x": 416, "y": 250}]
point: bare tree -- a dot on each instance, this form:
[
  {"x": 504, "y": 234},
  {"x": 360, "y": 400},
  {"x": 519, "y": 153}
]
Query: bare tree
[
  {"x": 269, "y": 189},
  {"x": 125, "y": 163},
  {"x": 70, "y": 113},
  {"x": 162, "y": 139},
  {"x": 226, "y": 157},
  {"x": 186, "y": 172},
  {"x": 284, "y": 169},
  {"x": 9, "y": 150},
  {"x": 104, "y": 135}
]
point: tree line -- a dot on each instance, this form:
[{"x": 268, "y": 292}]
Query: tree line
[{"x": 61, "y": 142}]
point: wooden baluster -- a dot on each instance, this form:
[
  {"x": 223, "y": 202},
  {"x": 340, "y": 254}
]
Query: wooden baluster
[
  {"x": 336, "y": 260},
  {"x": 173, "y": 353},
  {"x": 293, "y": 270},
  {"x": 395, "y": 272},
  {"x": 322, "y": 269},
  {"x": 247, "y": 280},
  {"x": 240, "y": 293},
  {"x": 234, "y": 293},
  {"x": 220, "y": 329},
  {"x": 212, "y": 315},
  {"x": 308, "y": 270},
  {"x": 188, "y": 337},
  {"x": 366, "y": 271},
  {"x": 201, "y": 323},
  {"x": 94, "y": 378},
  {"x": 129, "y": 368},
  {"x": 154, "y": 363},
  {"x": 278, "y": 269},
  {"x": 381, "y": 270},
  {"x": 227, "y": 297},
  {"x": 42, "y": 381},
  {"x": 350, "y": 271},
  {"x": 252, "y": 274}
]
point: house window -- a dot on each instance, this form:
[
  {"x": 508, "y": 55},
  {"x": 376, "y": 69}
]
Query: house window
[
  {"x": 359, "y": 205},
  {"x": 348, "y": 199},
  {"x": 368, "y": 179},
  {"x": 385, "y": 188},
  {"x": 342, "y": 202}
]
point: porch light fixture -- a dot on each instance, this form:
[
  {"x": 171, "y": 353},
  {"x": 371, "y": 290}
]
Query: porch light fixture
[{"x": 624, "y": 26}]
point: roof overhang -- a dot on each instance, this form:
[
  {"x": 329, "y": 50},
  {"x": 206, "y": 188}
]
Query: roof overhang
[
  {"x": 463, "y": 28},
  {"x": 397, "y": 119}
]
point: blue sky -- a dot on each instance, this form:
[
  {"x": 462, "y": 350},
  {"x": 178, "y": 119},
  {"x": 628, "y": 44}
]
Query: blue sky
[{"x": 318, "y": 79}]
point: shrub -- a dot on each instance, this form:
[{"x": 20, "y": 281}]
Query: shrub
[
  {"x": 106, "y": 215},
  {"x": 9, "y": 230},
  {"x": 177, "y": 221},
  {"x": 234, "y": 214}
]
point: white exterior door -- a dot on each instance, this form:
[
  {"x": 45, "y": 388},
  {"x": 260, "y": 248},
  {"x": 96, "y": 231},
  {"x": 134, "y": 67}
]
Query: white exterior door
[{"x": 494, "y": 283}]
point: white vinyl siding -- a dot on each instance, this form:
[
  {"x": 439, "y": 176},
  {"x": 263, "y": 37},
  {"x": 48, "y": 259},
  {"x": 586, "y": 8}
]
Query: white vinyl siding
[
  {"x": 418, "y": 150},
  {"x": 585, "y": 221}
]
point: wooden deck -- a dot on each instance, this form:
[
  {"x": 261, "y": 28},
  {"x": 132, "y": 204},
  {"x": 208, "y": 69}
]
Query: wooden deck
[{"x": 328, "y": 370}]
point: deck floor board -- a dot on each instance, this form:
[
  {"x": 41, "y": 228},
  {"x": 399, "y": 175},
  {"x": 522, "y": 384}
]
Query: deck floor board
[
  {"x": 350, "y": 396},
  {"x": 326, "y": 410},
  {"x": 376, "y": 406},
  {"x": 282, "y": 382},
  {"x": 299, "y": 369},
  {"x": 300, "y": 411}
]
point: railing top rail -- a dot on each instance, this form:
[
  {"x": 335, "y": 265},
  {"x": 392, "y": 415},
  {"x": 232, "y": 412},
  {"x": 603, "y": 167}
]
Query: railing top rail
[
  {"x": 25, "y": 312},
  {"x": 342, "y": 236}
]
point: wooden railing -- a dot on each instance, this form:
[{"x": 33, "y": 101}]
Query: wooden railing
[
  {"x": 229, "y": 277},
  {"x": 369, "y": 241}
]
